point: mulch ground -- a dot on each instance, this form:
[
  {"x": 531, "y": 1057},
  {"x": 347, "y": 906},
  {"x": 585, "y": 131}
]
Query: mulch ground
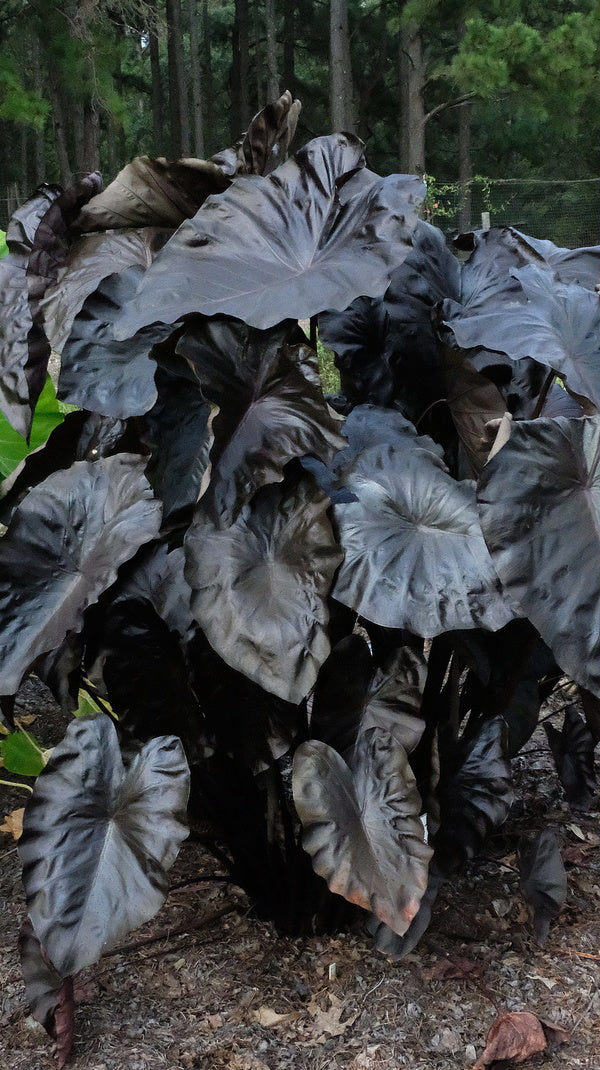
[{"x": 206, "y": 985}]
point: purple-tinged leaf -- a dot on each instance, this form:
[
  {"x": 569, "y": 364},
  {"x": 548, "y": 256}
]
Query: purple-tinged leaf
[
  {"x": 352, "y": 695},
  {"x": 97, "y": 373},
  {"x": 281, "y": 247},
  {"x": 475, "y": 792},
  {"x": 396, "y": 947},
  {"x": 415, "y": 556},
  {"x": 361, "y": 825},
  {"x": 91, "y": 259},
  {"x": 543, "y": 880},
  {"x": 270, "y": 409},
  {"x": 539, "y": 502},
  {"x": 50, "y": 996},
  {"x": 558, "y": 326},
  {"x": 64, "y": 546},
  {"x": 573, "y": 753},
  {"x": 98, "y": 838},
  {"x": 259, "y": 587},
  {"x": 155, "y": 193}
]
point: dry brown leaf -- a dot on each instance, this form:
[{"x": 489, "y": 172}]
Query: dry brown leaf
[
  {"x": 515, "y": 1035},
  {"x": 13, "y": 823},
  {"x": 555, "y": 1034},
  {"x": 329, "y": 1021},
  {"x": 268, "y": 1017},
  {"x": 451, "y": 969},
  {"x": 25, "y": 719}
]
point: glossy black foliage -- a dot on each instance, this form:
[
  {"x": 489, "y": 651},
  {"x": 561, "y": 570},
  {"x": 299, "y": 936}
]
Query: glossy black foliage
[
  {"x": 543, "y": 879},
  {"x": 573, "y": 753},
  {"x": 98, "y": 838}
]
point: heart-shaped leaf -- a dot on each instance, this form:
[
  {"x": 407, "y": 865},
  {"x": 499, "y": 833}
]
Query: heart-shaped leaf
[
  {"x": 475, "y": 792},
  {"x": 415, "y": 556},
  {"x": 259, "y": 587},
  {"x": 97, "y": 373},
  {"x": 543, "y": 880},
  {"x": 92, "y": 258},
  {"x": 98, "y": 839},
  {"x": 50, "y": 997},
  {"x": 539, "y": 502},
  {"x": 361, "y": 826},
  {"x": 269, "y": 410},
  {"x": 573, "y": 753},
  {"x": 558, "y": 325},
  {"x": 64, "y": 546},
  {"x": 281, "y": 247}
]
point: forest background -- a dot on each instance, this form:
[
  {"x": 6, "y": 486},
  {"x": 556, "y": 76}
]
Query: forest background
[{"x": 495, "y": 101}]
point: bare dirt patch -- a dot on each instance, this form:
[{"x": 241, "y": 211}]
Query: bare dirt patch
[{"x": 206, "y": 985}]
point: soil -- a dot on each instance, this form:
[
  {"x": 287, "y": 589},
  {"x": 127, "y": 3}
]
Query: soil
[{"x": 206, "y": 985}]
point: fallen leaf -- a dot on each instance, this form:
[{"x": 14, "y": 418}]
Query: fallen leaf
[
  {"x": 268, "y": 1017},
  {"x": 329, "y": 1021},
  {"x": 13, "y": 823},
  {"x": 451, "y": 969},
  {"x": 576, "y": 832},
  {"x": 555, "y": 1034},
  {"x": 515, "y": 1035},
  {"x": 25, "y": 719},
  {"x": 549, "y": 982}
]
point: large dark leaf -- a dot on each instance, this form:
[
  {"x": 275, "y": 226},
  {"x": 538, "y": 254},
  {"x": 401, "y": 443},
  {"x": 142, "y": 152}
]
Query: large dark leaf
[
  {"x": 543, "y": 880},
  {"x": 352, "y": 696},
  {"x": 269, "y": 411},
  {"x": 357, "y": 336},
  {"x": 178, "y": 432},
  {"x": 396, "y": 947},
  {"x": 415, "y": 557},
  {"x": 370, "y": 425},
  {"x": 15, "y": 314},
  {"x": 573, "y": 753},
  {"x": 539, "y": 502},
  {"x": 63, "y": 548},
  {"x": 570, "y": 265},
  {"x": 82, "y": 436},
  {"x": 100, "y": 374},
  {"x": 475, "y": 792},
  {"x": 98, "y": 839},
  {"x": 277, "y": 247},
  {"x": 155, "y": 193},
  {"x": 259, "y": 587},
  {"x": 267, "y": 140},
  {"x": 50, "y": 997},
  {"x": 91, "y": 258},
  {"x": 473, "y": 401},
  {"x": 558, "y": 326},
  {"x": 361, "y": 826}
]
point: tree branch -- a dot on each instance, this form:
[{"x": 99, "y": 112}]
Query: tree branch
[{"x": 454, "y": 103}]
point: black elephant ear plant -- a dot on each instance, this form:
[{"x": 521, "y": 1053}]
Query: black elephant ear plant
[{"x": 323, "y": 626}]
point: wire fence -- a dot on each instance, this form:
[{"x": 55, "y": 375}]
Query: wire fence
[{"x": 566, "y": 212}]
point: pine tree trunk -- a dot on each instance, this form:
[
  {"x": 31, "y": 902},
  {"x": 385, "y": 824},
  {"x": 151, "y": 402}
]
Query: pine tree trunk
[
  {"x": 39, "y": 144},
  {"x": 91, "y": 131},
  {"x": 340, "y": 69},
  {"x": 271, "y": 50},
  {"x": 197, "y": 128},
  {"x": 240, "y": 105},
  {"x": 465, "y": 165},
  {"x": 412, "y": 104},
  {"x": 156, "y": 90},
  {"x": 207, "y": 73},
  {"x": 178, "y": 104},
  {"x": 60, "y": 133},
  {"x": 289, "y": 46}
]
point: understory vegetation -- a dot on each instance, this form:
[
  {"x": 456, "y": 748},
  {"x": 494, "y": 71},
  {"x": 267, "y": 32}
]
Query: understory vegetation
[{"x": 315, "y": 629}]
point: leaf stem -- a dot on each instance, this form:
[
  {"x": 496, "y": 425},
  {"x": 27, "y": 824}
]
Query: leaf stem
[{"x": 14, "y": 784}]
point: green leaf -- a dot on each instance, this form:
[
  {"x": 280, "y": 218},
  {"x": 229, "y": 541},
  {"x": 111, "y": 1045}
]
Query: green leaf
[
  {"x": 3, "y": 245},
  {"x": 21, "y": 754},
  {"x": 48, "y": 415}
]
